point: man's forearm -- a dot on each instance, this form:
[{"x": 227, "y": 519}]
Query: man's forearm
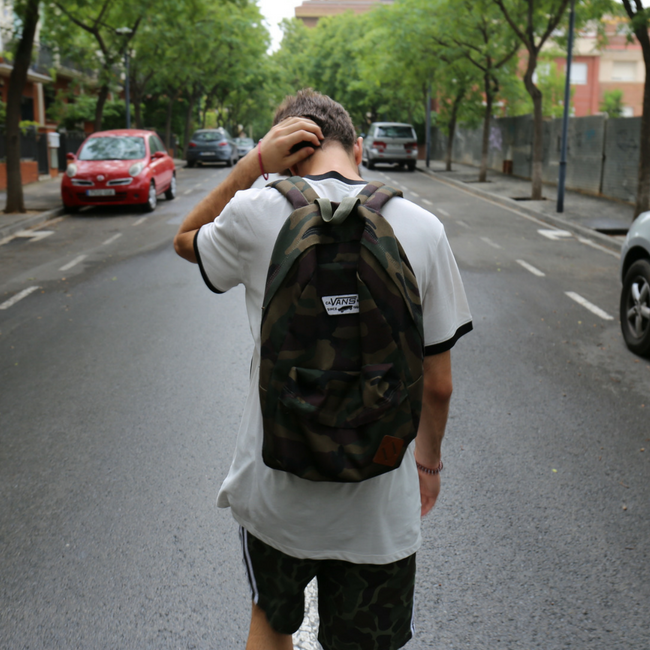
[{"x": 241, "y": 178}]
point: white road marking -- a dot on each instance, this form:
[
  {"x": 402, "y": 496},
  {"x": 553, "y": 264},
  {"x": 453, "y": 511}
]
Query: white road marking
[
  {"x": 188, "y": 191},
  {"x": 415, "y": 194},
  {"x": 593, "y": 244},
  {"x": 427, "y": 201},
  {"x": 463, "y": 224},
  {"x": 137, "y": 222},
  {"x": 588, "y": 305},
  {"x": 34, "y": 235},
  {"x": 110, "y": 240},
  {"x": 489, "y": 242},
  {"x": 554, "y": 234},
  {"x": 19, "y": 296},
  {"x": 196, "y": 187},
  {"x": 531, "y": 268},
  {"x": 74, "y": 262},
  {"x": 444, "y": 213}
]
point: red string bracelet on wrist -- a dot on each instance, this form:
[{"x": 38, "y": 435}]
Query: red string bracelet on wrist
[
  {"x": 265, "y": 176},
  {"x": 428, "y": 470}
]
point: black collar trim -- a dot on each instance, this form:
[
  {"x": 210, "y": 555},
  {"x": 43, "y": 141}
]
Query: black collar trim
[{"x": 336, "y": 176}]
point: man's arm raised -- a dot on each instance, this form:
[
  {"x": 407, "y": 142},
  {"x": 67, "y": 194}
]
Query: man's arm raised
[{"x": 276, "y": 155}]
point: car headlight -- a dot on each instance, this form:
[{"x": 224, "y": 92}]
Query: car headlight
[
  {"x": 136, "y": 168},
  {"x": 71, "y": 170}
]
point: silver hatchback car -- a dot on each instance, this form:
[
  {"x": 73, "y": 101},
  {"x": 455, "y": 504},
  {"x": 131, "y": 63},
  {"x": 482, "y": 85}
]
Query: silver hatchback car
[
  {"x": 635, "y": 295},
  {"x": 390, "y": 142}
]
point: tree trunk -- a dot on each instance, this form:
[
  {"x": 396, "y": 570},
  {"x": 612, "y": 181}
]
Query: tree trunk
[
  {"x": 137, "y": 105},
  {"x": 482, "y": 174},
  {"x": 643, "y": 189},
  {"x": 452, "y": 126},
  {"x": 188, "y": 121},
  {"x": 15, "y": 199},
  {"x": 168, "y": 121},
  {"x": 99, "y": 109},
  {"x": 538, "y": 128}
]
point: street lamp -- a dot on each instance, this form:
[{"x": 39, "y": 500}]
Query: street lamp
[{"x": 126, "y": 31}]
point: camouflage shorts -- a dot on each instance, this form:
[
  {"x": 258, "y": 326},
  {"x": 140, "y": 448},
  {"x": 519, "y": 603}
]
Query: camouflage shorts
[{"x": 367, "y": 606}]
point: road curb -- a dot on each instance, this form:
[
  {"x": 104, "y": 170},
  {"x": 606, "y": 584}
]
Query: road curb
[
  {"x": 506, "y": 202},
  {"x": 30, "y": 221}
]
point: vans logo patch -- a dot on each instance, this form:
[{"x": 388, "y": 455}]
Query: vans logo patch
[{"x": 338, "y": 305}]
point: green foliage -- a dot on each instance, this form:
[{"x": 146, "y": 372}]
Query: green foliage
[
  {"x": 612, "y": 103},
  {"x": 73, "y": 111},
  {"x": 3, "y": 112}
]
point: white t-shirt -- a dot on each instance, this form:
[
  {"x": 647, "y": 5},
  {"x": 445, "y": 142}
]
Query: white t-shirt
[{"x": 376, "y": 521}]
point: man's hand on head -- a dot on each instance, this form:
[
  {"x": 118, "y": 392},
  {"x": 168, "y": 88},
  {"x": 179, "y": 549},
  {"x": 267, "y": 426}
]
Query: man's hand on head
[{"x": 276, "y": 146}]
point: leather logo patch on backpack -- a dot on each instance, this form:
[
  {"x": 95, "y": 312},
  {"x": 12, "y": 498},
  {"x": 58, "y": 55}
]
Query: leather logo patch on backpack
[{"x": 389, "y": 451}]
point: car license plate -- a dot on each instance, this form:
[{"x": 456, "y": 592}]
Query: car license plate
[
  {"x": 100, "y": 192},
  {"x": 207, "y": 153}
]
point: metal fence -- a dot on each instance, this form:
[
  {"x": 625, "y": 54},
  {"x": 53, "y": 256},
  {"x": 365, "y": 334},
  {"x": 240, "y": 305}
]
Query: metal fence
[
  {"x": 602, "y": 156},
  {"x": 69, "y": 142}
]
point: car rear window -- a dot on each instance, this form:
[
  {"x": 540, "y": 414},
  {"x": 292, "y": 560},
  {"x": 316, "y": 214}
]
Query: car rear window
[
  {"x": 394, "y": 132},
  {"x": 113, "y": 148},
  {"x": 208, "y": 136},
  {"x": 244, "y": 141}
]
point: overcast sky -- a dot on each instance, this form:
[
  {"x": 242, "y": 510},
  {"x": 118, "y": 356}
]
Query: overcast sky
[{"x": 274, "y": 11}]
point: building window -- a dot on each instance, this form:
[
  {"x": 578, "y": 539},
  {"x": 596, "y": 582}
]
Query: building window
[
  {"x": 624, "y": 71},
  {"x": 578, "y": 74}
]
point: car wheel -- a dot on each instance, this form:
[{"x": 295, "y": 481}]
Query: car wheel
[
  {"x": 152, "y": 199},
  {"x": 170, "y": 193},
  {"x": 411, "y": 165},
  {"x": 635, "y": 308},
  {"x": 370, "y": 164},
  {"x": 229, "y": 162},
  {"x": 191, "y": 163},
  {"x": 71, "y": 209}
]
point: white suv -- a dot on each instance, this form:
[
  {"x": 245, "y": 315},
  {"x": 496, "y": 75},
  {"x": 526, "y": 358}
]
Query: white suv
[{"x": 390, "y": 142}]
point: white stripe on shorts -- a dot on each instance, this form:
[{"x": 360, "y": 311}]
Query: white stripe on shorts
[{"x": 252, "y": 583}]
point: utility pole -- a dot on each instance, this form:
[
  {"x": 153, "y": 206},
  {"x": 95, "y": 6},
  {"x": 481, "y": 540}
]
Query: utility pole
[
  {"x": 428, "y": 126},
  {"x": 565, "y": 117}
]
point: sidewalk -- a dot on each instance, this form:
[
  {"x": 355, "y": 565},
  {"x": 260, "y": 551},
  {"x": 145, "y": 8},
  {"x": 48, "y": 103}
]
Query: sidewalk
[
  {"x": 594, "y": 216},
  {"x": 42, "y": 202}
]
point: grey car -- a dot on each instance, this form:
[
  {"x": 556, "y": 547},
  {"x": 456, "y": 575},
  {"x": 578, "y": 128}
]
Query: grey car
[
  {"x": 390, "y": 142},
  {"x": 244, "y": 145},
  {"x": 211, "y": 145},
  {"x": 635, "y": 296}
]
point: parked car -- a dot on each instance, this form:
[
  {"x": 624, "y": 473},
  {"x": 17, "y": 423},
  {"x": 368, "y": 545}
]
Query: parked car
[
  {"x": 244, "y": 145},
  {"x": 635, "y": 296},
  {"x": 120, "y": 167},
  {"x": 211, "y": 145},
  {"x": 390, "y": 142}
]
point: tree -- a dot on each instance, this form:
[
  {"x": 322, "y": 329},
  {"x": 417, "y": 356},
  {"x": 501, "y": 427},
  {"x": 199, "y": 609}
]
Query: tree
[
  {"x": 28, "y": 15},
  {"x": 612, "y": 103},
  {"x": 640, "y": 23}
]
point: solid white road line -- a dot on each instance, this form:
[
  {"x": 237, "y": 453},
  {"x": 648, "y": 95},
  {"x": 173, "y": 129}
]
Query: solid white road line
[
  {"x": 137, "y": 222},
  {"x": 110, "y": 240},
  {"x": 19, "y": 296},
  {"x": 554, "y": 234},
  {"x": 444, "y": 213},
  {"x": 489, "y": 242},
  {"x": 590, "y": 306},
  {"x": 463, "y": 224},
  {"x": 74, "y": 262},
  {"x": 427, "y": 201},
  {"x": 531, "y": 268},
  {"x": 593, "y": 244}
]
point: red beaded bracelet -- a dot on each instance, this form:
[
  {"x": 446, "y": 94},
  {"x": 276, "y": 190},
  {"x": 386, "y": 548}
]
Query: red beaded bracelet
[
  {"x": 265, "y": 176},
  {"x": 428, "y": 470}
]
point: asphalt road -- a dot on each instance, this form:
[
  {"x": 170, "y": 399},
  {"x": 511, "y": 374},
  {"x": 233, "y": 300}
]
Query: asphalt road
[{"x": 123, "y": 379}]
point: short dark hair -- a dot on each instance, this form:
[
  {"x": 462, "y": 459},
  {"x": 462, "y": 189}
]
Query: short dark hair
[{"x": 333, "y": 119}]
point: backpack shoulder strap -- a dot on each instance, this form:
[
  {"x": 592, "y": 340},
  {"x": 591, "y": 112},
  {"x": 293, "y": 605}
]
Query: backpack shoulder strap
[
  {"x": 296, "y": 190},
  {"x": 375, "y": 195}
]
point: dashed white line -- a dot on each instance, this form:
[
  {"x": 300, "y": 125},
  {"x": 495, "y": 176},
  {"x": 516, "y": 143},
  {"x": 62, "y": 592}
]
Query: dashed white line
[
  {"x": 463, "y": 224},
  {"x": 489, "y": 242},
  {"x": 531, "y": 268},
  {"x": 110, "y": 240},
  {"x": 444, "y": 213},
  {"x": 74, "y": 262},
  {"x": 137, "y": 222},
  {"x": 588, "y": 305},
  {"x": 427, "y": 202},
  {"x": 34, "y": 235},
  {"x": 19, "y": 296},
  {"x": 554, "y": 234},
  {"x": 415, "y": 194},
  {"x": 188, "y": 191}
]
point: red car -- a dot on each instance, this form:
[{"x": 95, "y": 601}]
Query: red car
[{"x": 121, "y": 167}]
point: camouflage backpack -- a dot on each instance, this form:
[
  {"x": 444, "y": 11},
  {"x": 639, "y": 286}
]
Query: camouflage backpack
[{"x": 341, "y": 340}]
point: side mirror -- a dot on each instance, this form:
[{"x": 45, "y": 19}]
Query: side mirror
[
  {"x": 70, "y": 157},
  {"x": 158, "y": 154}
]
